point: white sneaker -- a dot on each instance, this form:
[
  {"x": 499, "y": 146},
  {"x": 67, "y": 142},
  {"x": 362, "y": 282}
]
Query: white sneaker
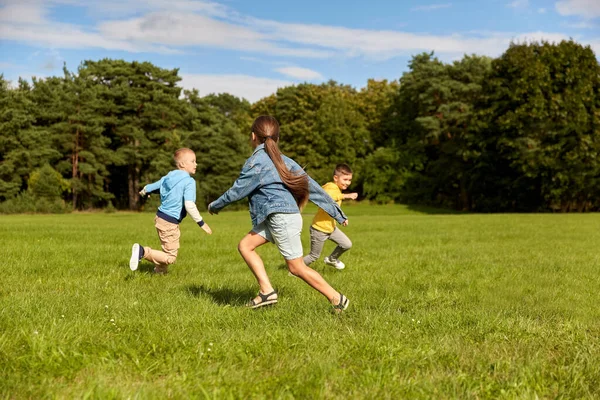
[
  {"x": 337, "y": 264},
  {"x": 134, "y": 261}
]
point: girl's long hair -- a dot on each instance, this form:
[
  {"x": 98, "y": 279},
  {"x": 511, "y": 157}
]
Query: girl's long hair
[{"x": 266, "y": 129}]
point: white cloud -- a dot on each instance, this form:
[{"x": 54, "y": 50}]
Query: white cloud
[
  {"x": 588, "y": 9},
  {"x": 180, "y": 29},
  {"x": 431, "y": 7},
  {"x": 542, "y": 10},
  {"x": 382, "y": 45},
  {"x": 595, "y": 45},
  {"x": 518, "y": 4},
  {"x": 251, "y": 88},
  {"x": 192, "y": 24},
  {"x": 580, "y": 25},
  {"x": 300, "y": 73},
  {"x": 22, "y": 12}
]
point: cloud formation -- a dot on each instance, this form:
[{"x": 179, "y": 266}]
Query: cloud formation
[
  {"x": 587, "y": 9},
  {"x": 163, "y": 26},
  {"x": 300, "y": 73},
  {"x": 431, "y": 7},
  {"x": 249, "y": 87}
]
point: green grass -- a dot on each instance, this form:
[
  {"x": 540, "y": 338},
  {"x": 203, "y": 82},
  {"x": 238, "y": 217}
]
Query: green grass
[{"x": 442, "y": 306}]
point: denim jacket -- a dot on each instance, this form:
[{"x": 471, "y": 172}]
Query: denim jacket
[{"x": 260, "y": 182}]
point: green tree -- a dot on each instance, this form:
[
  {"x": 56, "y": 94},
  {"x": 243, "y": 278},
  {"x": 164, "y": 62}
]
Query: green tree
[
  {"x": 79, "y": 136},
  {"x": 142, "y": 118},
  {"x": 543, "y": 110},
  {"x": 221, "y": 148},
  {"x": 24, "y": 143},
  {"x": 47, "y": 183},
  {"x": 435, "y": 122},
  {"x": 321, "y": 125}
]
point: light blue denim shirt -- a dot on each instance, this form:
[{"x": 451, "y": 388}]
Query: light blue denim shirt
[{"x": 260, "y": 182}]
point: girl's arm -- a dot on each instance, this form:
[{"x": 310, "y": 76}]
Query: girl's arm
[
  {"x": 317, "y": 195},
  {"x": 242, "y": 187},
  {"x": 324, "y": 201}
]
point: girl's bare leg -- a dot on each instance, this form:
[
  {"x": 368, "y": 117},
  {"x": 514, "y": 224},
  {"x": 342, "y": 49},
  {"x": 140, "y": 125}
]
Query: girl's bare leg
[
  {"x": 247, "y": 248},
  {"x": 313, "y": 278}
]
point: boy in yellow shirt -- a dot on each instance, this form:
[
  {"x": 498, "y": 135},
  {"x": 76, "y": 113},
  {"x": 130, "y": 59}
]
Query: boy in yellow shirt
[{"x": 323, "y": 226}]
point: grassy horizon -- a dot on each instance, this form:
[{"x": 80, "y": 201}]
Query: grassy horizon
[{"x": 442, "y": 306}]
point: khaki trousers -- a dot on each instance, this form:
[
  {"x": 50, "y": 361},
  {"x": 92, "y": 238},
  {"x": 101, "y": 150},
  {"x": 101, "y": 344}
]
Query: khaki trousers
[{"x": 169, "y": 234}]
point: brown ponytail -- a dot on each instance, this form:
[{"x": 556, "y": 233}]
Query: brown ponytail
[{"x": 266, "y": 129}]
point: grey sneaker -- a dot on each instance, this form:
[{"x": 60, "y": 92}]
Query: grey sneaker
[
  {"x": 337, "y": 264},
  {"x": 134, "y": 261}
]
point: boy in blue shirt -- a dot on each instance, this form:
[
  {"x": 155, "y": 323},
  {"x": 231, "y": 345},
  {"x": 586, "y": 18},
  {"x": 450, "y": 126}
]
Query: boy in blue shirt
[{"x": 178, "y": 198}]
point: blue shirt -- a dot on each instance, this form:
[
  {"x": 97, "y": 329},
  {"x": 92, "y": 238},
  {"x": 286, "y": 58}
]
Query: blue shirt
[
  {"x": 261, "y": 183},
  {"x": 175, "y": 188}
]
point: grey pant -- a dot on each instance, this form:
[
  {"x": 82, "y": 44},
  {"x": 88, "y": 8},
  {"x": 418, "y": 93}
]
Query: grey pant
[{"x": 318, "y": 239}]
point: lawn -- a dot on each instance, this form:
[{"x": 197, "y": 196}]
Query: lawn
[{"x": 442, "y": 306}]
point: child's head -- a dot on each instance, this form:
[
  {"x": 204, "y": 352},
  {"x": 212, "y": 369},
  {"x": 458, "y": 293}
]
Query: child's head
[
  {"x": 185, "y": 159},
  {"x": 342, "y": 176},
  {"x": 265, "y": 129}
]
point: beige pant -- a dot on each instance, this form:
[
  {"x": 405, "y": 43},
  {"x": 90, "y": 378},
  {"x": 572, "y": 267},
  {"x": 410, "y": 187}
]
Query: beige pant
[{"x": 169, "y": 234}]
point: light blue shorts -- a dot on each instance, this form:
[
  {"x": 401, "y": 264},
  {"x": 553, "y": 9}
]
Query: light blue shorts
[{"x": 284, "y": 230}]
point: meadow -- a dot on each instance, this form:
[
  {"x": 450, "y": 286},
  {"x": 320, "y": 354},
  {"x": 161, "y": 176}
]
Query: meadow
[{"x": 442, "y": 306}]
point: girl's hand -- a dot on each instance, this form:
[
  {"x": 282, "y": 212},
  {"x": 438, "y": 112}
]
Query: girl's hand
[{"x": 345, "y": 223}]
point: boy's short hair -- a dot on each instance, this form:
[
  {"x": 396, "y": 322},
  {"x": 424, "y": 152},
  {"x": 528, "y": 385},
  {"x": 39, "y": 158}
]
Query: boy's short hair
[
  {"x": 180, "y": 154},
  {"x": 342, "y": 169}
]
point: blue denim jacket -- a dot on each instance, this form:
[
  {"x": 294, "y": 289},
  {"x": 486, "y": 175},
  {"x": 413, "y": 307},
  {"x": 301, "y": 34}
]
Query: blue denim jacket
[{"x": 260, "y": 182}]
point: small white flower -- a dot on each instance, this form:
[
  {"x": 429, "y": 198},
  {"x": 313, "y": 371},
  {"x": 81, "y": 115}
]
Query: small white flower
[
  {"x": 35, "y": 332},
  {"x": 210, "y": 344},
  {"x": 106, "y": 306},
  {"x": 112, "y": 320},
  {"x": 62, "y": 316}
]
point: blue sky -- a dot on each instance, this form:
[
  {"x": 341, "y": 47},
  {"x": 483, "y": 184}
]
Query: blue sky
[{"x": 249, "y": 48}]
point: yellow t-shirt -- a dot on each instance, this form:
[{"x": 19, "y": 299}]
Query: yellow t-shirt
[{"x": 322, "y": 221}]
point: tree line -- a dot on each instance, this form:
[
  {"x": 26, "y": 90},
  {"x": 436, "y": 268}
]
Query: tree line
[{"x": 520, "y": 132}]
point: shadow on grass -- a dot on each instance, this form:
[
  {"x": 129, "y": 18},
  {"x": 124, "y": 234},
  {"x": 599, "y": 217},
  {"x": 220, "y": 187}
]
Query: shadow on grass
[
  {"x": 222, "y": 296},
  {"x": 282, "y": 267},
  {"x": 432, "y": 210},
  {"x": 143, "y": 268}
]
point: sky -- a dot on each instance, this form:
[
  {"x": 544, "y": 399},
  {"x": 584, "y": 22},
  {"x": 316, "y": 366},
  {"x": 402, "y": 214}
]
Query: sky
[{"x": 249, "y": 48}]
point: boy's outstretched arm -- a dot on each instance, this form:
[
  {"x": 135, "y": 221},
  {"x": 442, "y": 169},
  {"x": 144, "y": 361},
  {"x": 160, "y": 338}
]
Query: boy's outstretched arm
[
  {"x": 151, "y": 187},
  {"x": 193, "y": 212}
]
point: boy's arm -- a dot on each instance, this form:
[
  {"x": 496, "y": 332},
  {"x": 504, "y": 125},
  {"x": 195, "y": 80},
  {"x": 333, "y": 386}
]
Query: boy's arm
[
  {"x": 241, "y": 188},
  {"x": 193, "y": 212},
  {"x": 351, "y": 196},
  {"x": 189, "y": 202},
  {"x": 152, "y": 187}
]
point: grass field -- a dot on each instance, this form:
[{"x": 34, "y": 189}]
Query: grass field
[{"x": 442, "y": 306}]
